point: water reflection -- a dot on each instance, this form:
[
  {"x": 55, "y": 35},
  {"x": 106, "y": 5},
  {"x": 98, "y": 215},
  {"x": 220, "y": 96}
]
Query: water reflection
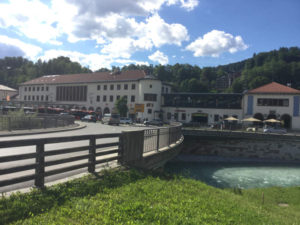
[{"x": 241, "y": 175}]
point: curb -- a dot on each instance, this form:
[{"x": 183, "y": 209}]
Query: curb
[{"x": 30, "y": 132}]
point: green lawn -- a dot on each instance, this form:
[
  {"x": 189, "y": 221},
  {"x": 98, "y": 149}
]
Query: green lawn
[{"x": 132, "y": 197}]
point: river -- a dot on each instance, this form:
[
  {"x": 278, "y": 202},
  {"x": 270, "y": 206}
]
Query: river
[{"x": 235, "y": 174}]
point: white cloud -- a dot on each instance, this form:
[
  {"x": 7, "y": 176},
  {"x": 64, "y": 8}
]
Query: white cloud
[
  {"x": 112, "y": 24},
  {"x": 215, "y": 43},
  {"x": 159, "y": 57},
  {"x": 93, "y": 61},
  {"x": 19, "y": 47},
  {"x": 162, "y": 33},
  {"x": 31, "y": 18}
]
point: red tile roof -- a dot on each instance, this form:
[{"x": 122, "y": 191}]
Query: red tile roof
[
  {"x": 274, "y": 88},
  {"x": 88, "y": 77}
]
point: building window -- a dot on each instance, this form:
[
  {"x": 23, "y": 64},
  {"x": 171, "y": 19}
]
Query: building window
[
  {"x": 216, "y": 118},
  {"x": 98, "y": 98},
  {"x": 162, "y": 89},
  {"x": 98, "y": 87},
  {"x": 150, "y": 97},
  {"x": 183, "y": 116},
  {"x": 25, "y": 89},
  {"x": 118, "y": 97},
  {"x": 167, "y": 90},
  {"x": 119, "y": 87},
  {"x": 42, "y": 98},
  {"x": 150, "y": 86},
  {"x": 105, "y": 87},
  {"x": 125, "y": 97},
  {"x": 33, "y": 98},
  {"x": 47, "y": 88},
  {"x": 29, "y": 89},
  {"x": 272, "y": 102},
  {"x": 111, "y": 87},
  {"x": 38, "y": 89},
  {"x": 132, "y": 98},
  {"x": 47, "y": 97},
  {"x": 71, "y": 93},
  {"x": 133, "y": 86},
  {"x": 104, "y": 98},
  {"x": 169, "y": 115},
  {"x": 29, "y": 97},
  {"x": 33, "y": 88},
  {"x": 38, "y": 98},
  {"x": 111, "y": 98},
  {"x": 149, "y": 111},
  {"x": 25, "y": 97},
  {"x": 125, "y": 86},
  {"x": 42, "y": 88},
  {"x": 176, "y": 116}
]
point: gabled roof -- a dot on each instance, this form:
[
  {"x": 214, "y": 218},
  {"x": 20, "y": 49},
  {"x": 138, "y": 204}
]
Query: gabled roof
[
  {"x": 89, "y": 77},
  {"x": 5, "y": 88},
  {"x": 274, "y": 88}
]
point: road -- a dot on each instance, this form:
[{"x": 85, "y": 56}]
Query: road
[{"x": 92, "y": 129}]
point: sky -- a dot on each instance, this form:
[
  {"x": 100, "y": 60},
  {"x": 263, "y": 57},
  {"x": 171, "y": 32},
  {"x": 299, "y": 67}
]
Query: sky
[{"x": 105, "y": 33}]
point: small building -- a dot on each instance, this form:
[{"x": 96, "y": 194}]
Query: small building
[
  {"x": 274, "y": 101},
  {"x": 6, "y": 93}
]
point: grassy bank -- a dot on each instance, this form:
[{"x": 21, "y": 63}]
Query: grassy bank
[{"x": 132, "y": 197}]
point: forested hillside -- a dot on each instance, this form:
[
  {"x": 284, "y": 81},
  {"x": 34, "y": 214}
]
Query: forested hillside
[
  {"x": 282, "y": 66},
  {"x": 16, "y": 70}
]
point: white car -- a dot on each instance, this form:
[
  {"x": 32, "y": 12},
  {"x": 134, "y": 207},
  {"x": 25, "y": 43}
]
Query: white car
[
  {"x": 124, "y": 120},
  {"x": 278, "y": 130}
]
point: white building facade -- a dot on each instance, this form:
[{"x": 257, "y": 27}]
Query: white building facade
[
  {"x": 97, "y": 91},
  {"x": 148, "y": 98}
]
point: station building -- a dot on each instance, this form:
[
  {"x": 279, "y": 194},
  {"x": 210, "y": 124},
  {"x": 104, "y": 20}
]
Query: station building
[
  {"x": 98, "y": 92},
  {"x": 149, "y": 98}
]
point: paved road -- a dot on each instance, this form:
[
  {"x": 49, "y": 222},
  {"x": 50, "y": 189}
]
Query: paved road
[{"x": 92, "y": 128}]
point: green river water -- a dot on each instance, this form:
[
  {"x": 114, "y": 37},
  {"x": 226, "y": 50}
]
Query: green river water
[{"x": 239, "y": 175}]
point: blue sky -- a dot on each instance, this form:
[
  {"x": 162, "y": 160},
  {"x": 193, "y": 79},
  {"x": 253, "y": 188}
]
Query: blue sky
[{"x": 103, "y": 33}]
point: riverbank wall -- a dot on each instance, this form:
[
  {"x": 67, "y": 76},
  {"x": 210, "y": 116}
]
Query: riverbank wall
[{"x": 246, "y": 145}]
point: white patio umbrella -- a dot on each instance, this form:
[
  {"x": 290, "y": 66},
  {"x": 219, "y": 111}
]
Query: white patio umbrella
[
  {"x": 231, "y": 119},
  {"x": 272, "y": 121},
  {"x": 251, "y": 119}
]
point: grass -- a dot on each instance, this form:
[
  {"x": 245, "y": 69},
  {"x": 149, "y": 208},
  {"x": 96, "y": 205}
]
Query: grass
[{"x": 135, "y": 197}]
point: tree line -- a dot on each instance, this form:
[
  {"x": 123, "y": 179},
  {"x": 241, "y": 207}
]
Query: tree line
[{"x": 282, "y": 66}]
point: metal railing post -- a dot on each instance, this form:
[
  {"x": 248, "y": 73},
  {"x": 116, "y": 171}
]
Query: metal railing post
[
  {"x": 9, "y": 123},
  {"x": 92, "y": 154},
  {"x": 40, "y": 168},
  {"x": 169, "y": 135},
  {"x": 157, "y": 143}
]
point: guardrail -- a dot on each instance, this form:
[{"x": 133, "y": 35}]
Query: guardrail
[
  {"x": 155, "y": 139},
  {"x": 40, "y": 164},
  {"x": 41, "y": 159},
  {"x": 34, "y": 122}
]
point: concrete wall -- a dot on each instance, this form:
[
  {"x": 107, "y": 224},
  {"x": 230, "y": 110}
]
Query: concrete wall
[{"x": 243, "y": 145}]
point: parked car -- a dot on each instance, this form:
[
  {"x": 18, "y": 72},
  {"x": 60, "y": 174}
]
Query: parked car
[
  {"x": 124, "y": 120},
  {"x": 89, "y": 118},
  {"x": 276, "y": 130},
  {"x": 111, "y": 119},
  {"x": 155, "y": 122}
]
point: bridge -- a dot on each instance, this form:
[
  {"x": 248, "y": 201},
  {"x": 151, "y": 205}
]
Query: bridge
[{"x": 37, "y": 161}]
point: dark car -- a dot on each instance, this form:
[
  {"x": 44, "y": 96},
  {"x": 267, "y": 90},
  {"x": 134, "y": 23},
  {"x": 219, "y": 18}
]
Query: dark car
[
  {"x": 89, "y": 118},
  {"x": 154, "y": 122},
  {"x": 276, "y": 130}
]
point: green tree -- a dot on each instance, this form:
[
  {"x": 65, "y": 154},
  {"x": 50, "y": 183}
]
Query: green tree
[{"x": 122, "y": 107}]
